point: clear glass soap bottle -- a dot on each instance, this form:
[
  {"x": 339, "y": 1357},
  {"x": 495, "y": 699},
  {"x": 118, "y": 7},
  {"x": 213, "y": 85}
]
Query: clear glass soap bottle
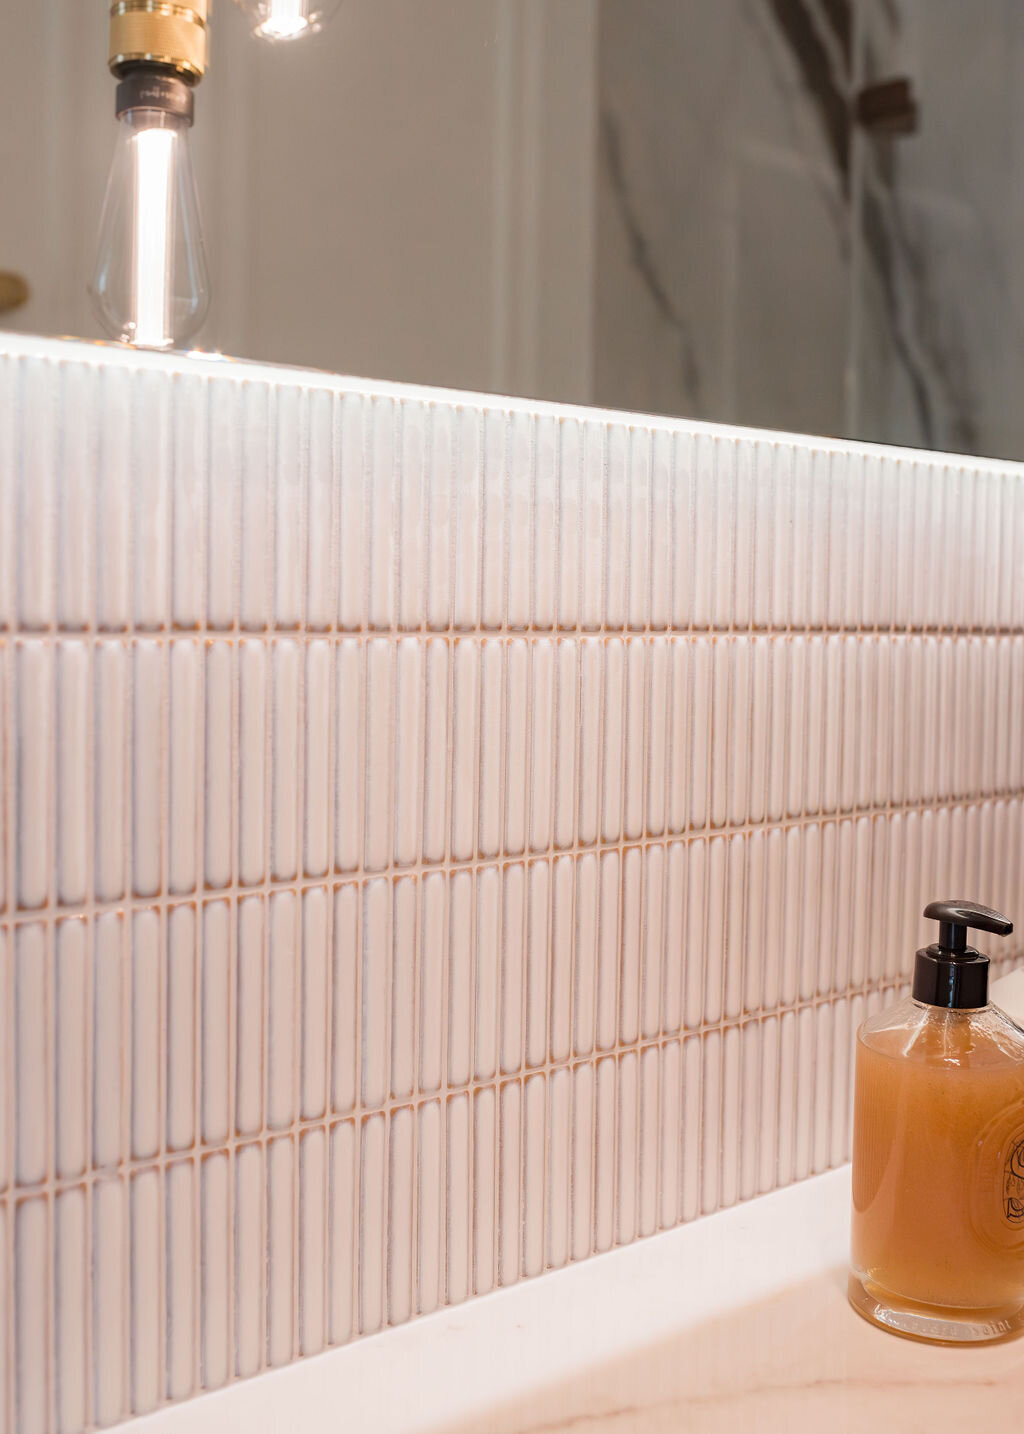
[{"x": 938, "y": 1149}]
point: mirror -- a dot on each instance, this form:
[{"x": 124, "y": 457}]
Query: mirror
[{"x": 795, "y": 214}]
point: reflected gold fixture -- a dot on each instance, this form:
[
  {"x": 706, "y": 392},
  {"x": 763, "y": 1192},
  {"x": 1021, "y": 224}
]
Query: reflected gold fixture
[
  {"x": 155, "y": 32},
  {"x": 14, "y": 291}
]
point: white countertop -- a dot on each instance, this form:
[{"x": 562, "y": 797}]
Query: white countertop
[{"x": 738, "y": 1321}]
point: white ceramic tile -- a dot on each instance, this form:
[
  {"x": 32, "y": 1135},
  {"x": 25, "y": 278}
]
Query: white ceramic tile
[
  {"x": 483, "y": 1197},
  {"x": 438, "y": 528},
  {"x": 582, "y": 1175},
  {"x": 538, "y": 951},
  {"x": 32, "y": 1048},
  {"x": 608, "y": 950},
  {"x": 216, "y": 1251},
  {"x": 411, "y": 474},
  {"x": 495, "y": 503},
  {"x": 509, "y": 1182},
  {"x": 189, "y": 447},
  {"x": 282, "y": 1015},
  {"x": 433, "y": 969},
  {"x": 638, "y": 572},
  {"x": 288, "y": 484},
  {"x": 147, "y": 980},
  {"x": 249, "y": 1240},
  {"x": 320, "y": 531},
  {"x": 151, "y": 493},
  {"x": 694, "y": 675},
  {"x": 217, "y": 767},
  {"x": 35, "y": 511},
  {"x": 589, "y": 740},
  {"x": 71, "y": 1309},
  {"x": 466, "y": 503},
  {"x": 379, "y": 740},
  {"x": 458, "y": 1198},
  {"x": 567, "y": 726},
  {"x": 314, "y": 988},
  {"x": 144, "y": 1263},
  {"x": 488, "y": 800},
  {"x": 312, "y": 1242},
  {"x": 604, "y": 1154},
  {"x": 349, "y": 447},
  {"x": 409, "y": 757},
  {"x": 34, "y": 693},
  {"x": 182, "y": 1279},
  {"x": 768, "y": 1139},
  {"x": 547, "y": 522},
  {"x": 72, "y": 775},
  {"x": 33, "y": 1314},
  {"x": 689, "y": 1154},
  {"x": 487, "y": 948},
  {"x": 460, "y": 979},
  {"x": 675, "y": 943},
  {"x": 348, "y": 755},
  {"x": 344, "y": 1006},
  {"x": 71, "y": 1042},
  {"x": 464, "y": 760},
  {"x": 652, "y": 939},
  {"x": 401, "y": 1203},
  {"x": 647, "y": 1162},
  {"x": 513, "y": 988},
  {"x": 630, "y": 938},
  {"x": 215, "y": 1020},
  {"x": 109, "y": 1315},
  {"x": 280, "y": 1250},
  {"x": 558, "y": 1170},
  {"x": 316, "y": 743},
  {"x": 669, "y": 1142},
  {"x": 341, "y": 1251},
  {"x": 403, "y": 988},
  {"x": 569, "y": 521},
  {"x": 184, "y": 739},
  {"x": 107, "y": 1036},
  {"x": 613, "y": 756},
  {"x": 429, "y": 1223},
  {"x": 750, "y": 1108},
  {"x": 542, "y": 775},
  {"x": 613, "y": 457},
  {"x": 285, "y": 760}
]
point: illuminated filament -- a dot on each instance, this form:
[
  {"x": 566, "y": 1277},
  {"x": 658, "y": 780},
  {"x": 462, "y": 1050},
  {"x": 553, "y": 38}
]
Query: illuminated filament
[
  {"x": 153, "y": 237},
  {"x": 285, "y": 18}
]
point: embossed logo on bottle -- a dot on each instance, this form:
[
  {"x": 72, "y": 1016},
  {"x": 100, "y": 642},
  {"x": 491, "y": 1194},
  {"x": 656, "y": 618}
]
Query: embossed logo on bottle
[
  {"x": 997, "y": 1183},
  {"x": 1013, "y": 1184}
]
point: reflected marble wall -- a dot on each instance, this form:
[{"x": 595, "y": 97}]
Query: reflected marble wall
[{"x": 764, "y": 260}]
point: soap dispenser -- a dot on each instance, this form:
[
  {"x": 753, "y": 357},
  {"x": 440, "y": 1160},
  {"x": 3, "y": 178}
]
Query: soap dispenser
[{"x": 938, "y": 1149}]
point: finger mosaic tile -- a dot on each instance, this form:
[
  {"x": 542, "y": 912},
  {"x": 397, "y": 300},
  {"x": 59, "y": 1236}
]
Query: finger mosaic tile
[{"x": 442, "y": 839}]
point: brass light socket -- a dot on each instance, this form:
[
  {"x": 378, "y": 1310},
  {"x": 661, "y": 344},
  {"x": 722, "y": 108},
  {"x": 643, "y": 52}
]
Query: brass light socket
[{"x": 159, "y": 32}]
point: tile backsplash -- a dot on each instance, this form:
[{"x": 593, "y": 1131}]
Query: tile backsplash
[{"x": 443, "y": 838}]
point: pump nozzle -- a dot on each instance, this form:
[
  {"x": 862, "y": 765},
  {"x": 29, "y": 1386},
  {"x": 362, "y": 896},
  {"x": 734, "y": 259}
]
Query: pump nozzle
[{"x": 950, "y": 973}]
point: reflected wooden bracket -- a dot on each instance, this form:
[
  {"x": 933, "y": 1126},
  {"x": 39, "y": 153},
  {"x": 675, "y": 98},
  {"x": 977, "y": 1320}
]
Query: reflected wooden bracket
[
  {"x": 888, "y": 107},
  {"x": 14, "y": 291}
]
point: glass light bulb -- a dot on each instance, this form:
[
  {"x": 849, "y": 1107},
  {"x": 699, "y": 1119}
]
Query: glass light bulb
[
  {"x": 288, "y": 19},
  {"x": 150, "y": 283}
]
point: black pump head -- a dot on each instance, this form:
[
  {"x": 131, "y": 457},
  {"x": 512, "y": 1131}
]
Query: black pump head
[{"x": 950, "y": 973}]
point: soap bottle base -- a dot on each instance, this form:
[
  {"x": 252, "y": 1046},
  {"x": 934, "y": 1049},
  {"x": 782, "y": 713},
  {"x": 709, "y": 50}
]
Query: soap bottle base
[{"x": 929, "y": 1322}]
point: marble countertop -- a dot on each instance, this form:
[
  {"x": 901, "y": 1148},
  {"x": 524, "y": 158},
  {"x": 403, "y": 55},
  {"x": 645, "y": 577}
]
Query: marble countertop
[
  {"x": 736, "y": 1322},
  {"x": 801, "y": 1361}
]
